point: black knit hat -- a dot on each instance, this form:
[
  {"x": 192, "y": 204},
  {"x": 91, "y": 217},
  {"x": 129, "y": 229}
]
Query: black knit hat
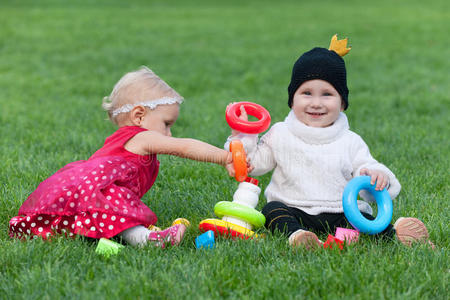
[{"x": 320, "y": 63}]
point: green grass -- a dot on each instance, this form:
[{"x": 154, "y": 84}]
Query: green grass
[{"x": 59, "y": 58}]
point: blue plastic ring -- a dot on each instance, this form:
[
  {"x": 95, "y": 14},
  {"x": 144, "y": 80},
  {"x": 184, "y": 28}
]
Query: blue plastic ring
[{"x": 354, "y": 216}]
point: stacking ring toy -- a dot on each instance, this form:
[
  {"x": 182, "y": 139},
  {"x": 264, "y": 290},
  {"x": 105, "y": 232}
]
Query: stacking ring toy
[
  {"x": 224, "y": 228},
  {"x": 243, "y": 212},
  {"x": 233, "y": 112},
  {"x": 354, "y": 216},
  {"x": 239, "y": 160}
]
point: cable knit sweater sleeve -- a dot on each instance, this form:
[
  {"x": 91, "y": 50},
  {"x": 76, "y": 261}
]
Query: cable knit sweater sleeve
[
  {"x": 363, "y": 159},
  {"x": 260, "y": 153}
]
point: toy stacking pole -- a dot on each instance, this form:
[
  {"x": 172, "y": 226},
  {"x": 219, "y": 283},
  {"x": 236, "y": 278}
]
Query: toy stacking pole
[
  {"x": 242, "y": 210},
  {"x": 239, "y": 217}
]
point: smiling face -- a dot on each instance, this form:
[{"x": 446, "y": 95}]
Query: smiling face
[
  {"x": 316, "y": 103},
  {"x": 161, "y": 118}
]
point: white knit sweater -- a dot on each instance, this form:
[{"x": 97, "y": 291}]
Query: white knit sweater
[{"x": 312, "y": 165}]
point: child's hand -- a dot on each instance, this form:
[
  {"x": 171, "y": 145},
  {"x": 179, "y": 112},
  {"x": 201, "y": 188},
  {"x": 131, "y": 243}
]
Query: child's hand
[
  {"x": 243, "y": 117},
  {"x": 377, "y": 176},
  {"x": 230, "y": 166},
  {"x": 250, "y": 167}
]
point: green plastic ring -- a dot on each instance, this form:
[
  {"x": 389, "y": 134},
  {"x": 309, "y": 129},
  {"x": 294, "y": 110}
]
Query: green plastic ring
[{"x": 248, "y": 214}]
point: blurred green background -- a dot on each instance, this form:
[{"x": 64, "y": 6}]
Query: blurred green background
[{"x": 58, "y": 59}]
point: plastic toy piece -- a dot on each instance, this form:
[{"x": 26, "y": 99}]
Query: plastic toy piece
[
  {"x": 205, "y": 240},
  {"x": 239, "y": 160},
  {"x": 252, "y": 180},
  {"x": 339, "y": 46},
  {"x": 233, "y": 112},
  {"x": 107, "y": 247},
  {"x": 181, "y": 221},
  {"x": 354, "y": 216},
  {"x": 332, "y": 242},
  {"x": 243, "y": 212},
  {"x": 347, "y": 235},
  {"x": 153, "y": 228},
  {"x": 238, "y": 216},
  {"x": 227, "y": 229}
]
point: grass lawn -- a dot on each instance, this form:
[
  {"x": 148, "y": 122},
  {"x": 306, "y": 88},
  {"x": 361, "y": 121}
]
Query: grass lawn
[{"x": 59, "y": 58}]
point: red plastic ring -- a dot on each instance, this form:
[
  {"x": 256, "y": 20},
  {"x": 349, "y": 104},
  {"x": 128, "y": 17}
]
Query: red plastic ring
[{"x": 233, "y": 112}]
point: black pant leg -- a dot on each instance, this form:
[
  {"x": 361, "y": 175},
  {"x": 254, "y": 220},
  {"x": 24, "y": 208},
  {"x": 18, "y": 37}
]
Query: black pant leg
[{"x": 280, "y": 217}]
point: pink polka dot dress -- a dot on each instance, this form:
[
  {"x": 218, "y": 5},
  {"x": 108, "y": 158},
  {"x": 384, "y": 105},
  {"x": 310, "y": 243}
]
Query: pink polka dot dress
[{"x": 98, "y": 197}]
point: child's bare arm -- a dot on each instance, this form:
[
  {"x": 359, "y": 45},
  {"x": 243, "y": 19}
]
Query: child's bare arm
[{"x": 152, "y": 142}]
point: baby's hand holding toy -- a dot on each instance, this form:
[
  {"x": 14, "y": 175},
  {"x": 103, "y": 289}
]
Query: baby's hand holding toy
[
  {"x": 237, "y": 113},
  {"x": 236, "y": 116},
  {"x": 243, "y": 116},
  {"x": 381, "y": 178},
  {"x": 351, "y": 210},
  {"x": 229, "y": 165}
]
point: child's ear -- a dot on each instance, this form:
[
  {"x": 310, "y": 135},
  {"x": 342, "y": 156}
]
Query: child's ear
[
  {"x": 137, "y": 115},
  {"x": 342, "y": 106}
]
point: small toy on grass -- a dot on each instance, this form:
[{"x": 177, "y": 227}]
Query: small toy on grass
[
  {"x": 347, "y": 235},
  {"x": 181, "y": 221},
  {"x": 354, "y": 216},
  {"x": 332, "y": 242},
  {"x": 153, "y": 228},
  {"x": 239, "y": 216},
  {"x": 341, "y": 237},
  {"x": 205, "y": 240},
  {"x": 107, "y": 247}
]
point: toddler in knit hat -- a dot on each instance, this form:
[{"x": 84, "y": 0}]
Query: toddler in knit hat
[{"x": 314, "y": 154}]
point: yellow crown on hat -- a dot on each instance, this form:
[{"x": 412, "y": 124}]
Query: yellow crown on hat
[{"x": 339, "y": 46}]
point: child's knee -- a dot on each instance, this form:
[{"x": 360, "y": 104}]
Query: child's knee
[{"x": 273, "y": 206}]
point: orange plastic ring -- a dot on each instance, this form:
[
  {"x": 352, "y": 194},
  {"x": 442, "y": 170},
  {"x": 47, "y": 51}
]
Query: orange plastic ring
[{"x": 239, "y": 160}]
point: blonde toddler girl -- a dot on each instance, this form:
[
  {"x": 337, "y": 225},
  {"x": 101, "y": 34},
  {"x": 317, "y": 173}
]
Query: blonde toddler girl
[{"x": 101, "y": 197}]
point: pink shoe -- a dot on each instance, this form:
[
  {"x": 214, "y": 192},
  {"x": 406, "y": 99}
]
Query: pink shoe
[{"x": 172, "y": 235}]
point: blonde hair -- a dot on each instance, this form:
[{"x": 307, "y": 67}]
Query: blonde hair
[{"x": 136, "y": 87}]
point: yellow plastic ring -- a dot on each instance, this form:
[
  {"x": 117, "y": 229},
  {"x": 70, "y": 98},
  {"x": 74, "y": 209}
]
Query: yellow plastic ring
[{"x": 227, "y": 225}]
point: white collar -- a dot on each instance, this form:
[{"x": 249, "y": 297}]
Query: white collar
[
  {"x": 152, "y": 104},
  {"x": 314, "y": 135}
]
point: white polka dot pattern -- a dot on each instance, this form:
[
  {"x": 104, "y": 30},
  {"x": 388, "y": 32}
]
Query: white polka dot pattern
[{"x": 99, "y": 197}]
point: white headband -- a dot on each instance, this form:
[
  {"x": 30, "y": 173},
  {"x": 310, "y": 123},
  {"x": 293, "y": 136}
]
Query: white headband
[{"x": 152, "y": 104}]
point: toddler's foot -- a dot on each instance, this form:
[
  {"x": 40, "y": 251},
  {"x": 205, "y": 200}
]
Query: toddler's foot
[
  {"x": 304, "y": 238},
  {"x": 172, "y": 235},
  {"x": 411, "y": 230}
]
